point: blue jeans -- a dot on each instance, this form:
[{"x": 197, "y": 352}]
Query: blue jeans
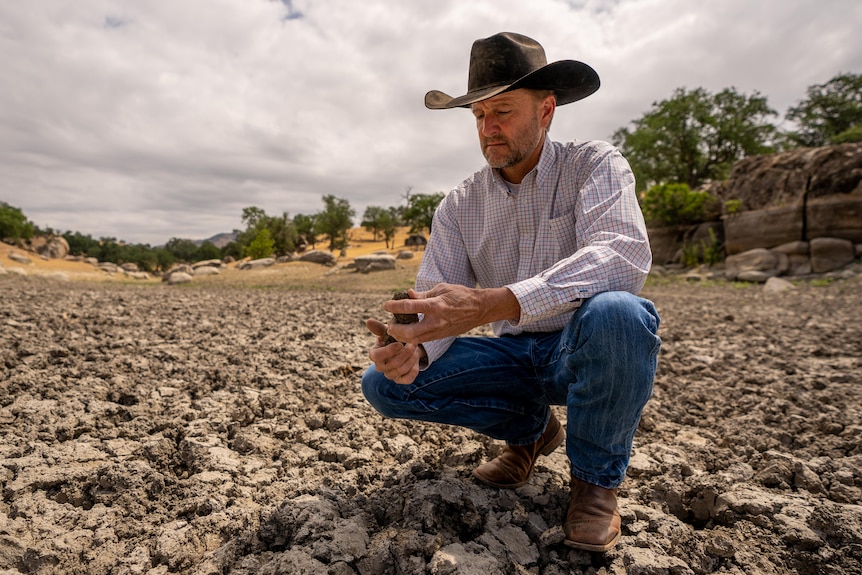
[{"x": 600, "y": 366}]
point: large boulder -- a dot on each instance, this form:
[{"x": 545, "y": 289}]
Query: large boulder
[
  {"x": 756, "y": 265},
  {"x": 416, "y": 241},
  {"x": 829, "y": 254},
  {"x": 218, "y": 264},
  {"x": 318, "y": 257},
  {"x": 764, "y": 228},
  {"x": 257, "y": 264},
  {"x": 374, "y": 262},
  {"x": 55, "y": 247}
]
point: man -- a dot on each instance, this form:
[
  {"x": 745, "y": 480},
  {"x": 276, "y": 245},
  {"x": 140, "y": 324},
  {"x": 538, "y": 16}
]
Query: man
[{"x": 548, "y": 244}]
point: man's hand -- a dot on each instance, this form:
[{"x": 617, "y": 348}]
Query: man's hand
[
  {"x": 398, "y": 362},
  {"x": 451, "y": 310}
]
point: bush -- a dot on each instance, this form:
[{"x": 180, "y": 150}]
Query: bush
[
  {"x": 849, "y": 136},
  {"x": 14, "y": 225},
  {"x": 696, "y": 253},
  {"x": 675, "y": 205}
]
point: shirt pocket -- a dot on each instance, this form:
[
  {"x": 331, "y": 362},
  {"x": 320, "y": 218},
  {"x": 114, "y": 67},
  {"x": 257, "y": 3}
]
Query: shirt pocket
[{"x": 562, "y": 235}]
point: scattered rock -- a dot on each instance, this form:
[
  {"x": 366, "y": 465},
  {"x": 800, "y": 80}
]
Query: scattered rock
[
  {"x": 257, "y": 264},
  {"x": 179, "y": 278},
  {"x": 318, "y": 257},
  {"x": 777, "y": 285},
  {"x": 374, "y": 262},
  {"x": 19, "y": 258}
]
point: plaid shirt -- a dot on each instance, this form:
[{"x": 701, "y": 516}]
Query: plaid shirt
[{"x": 573, "y": 229}]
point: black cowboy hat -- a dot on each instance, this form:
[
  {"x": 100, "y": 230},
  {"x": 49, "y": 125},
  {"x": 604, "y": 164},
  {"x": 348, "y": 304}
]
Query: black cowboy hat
[{"x": 508, "y": 61}]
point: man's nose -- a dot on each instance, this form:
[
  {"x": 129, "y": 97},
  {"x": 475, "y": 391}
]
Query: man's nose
[{"x": 490, "y": 125}]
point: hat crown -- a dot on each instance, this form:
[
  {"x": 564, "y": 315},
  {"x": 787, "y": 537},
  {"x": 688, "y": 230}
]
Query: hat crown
[{"x": 502, "y": 59}]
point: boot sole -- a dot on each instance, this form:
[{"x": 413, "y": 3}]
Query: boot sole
[{"x": 591, "y": 546}]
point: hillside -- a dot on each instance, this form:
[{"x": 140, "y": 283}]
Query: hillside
[{"x": 293, "y": 274}]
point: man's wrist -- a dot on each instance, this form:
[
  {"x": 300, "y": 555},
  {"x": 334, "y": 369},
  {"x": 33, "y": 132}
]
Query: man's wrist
[{"x": 502, "y": 305}]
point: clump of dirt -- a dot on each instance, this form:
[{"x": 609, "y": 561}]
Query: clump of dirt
[
  {"x": 211, "y": 429},
  {"x": 400, "y": 317}
]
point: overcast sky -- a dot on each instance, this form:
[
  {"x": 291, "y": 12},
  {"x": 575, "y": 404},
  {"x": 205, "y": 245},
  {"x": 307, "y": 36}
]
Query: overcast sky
[{"x": 147, "y": 120}]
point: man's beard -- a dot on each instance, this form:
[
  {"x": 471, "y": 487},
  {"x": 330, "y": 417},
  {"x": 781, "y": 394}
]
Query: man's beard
[{"x": 516, "y": 151}]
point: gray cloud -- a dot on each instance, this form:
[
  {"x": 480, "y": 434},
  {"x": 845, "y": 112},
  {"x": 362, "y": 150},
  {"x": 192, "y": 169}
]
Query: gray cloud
[{"x": 150, "y": 120}]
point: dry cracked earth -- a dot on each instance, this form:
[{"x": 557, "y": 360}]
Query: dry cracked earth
[{"x": 210, "y": 429}]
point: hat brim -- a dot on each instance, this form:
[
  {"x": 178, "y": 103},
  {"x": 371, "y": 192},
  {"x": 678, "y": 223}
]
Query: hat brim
[{"x": 569, "y": 79}]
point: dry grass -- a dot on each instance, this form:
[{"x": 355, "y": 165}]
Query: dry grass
[{"x": 293, "y": 275}]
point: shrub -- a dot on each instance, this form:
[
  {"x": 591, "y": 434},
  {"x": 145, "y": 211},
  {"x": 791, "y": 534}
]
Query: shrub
[
  {"x": 703, "y": 252},
  {"x": 675, "y": 205},
  {"x": 732, "y": 206}
]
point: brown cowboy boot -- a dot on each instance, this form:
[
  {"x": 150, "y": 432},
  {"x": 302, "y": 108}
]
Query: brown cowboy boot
[
  {"x": 593, "y": 518},
  {"x": 514, "y": 467}
]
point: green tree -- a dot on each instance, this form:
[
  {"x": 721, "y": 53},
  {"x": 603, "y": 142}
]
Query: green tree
[
  {"x": 420, "y": 209},
  {"x": 164, "y": 259},
  {"x": 831, "y": 113},
  {"x": 261, "y": 246},
  {"x": 14, "y": 225},
  {"x": 305, "y": 227},
  {"x": 335, "y": 221},
  {"x": 182, "y": 250},
  {"x": 390, "y": 221},
  {"x": 233, "y": 249},
  {"x": 696, "y": 136},
  {"x": 207, "y": 251},
  {"x": 79, "y": 244},
  {"x": 283, "y": 233},
  {"x": 373, "y": 220}
]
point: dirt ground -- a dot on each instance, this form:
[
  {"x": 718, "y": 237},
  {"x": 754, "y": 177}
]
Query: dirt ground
[{"x": 219, "y": 428}]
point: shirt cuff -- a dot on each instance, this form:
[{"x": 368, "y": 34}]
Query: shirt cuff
[{"x": 538, "y": 302}]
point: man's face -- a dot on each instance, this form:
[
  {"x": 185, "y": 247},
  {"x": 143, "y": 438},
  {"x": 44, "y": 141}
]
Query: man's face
[{"x": 511, "y": 128}]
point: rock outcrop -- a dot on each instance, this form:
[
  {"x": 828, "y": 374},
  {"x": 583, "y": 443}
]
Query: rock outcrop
[
  {"x": 795, "y": 196},
  {"x": 809, "y": 197}
]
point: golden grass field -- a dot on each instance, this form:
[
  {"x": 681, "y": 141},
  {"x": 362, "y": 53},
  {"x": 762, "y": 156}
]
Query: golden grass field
[{"x": 293, "y": 275}]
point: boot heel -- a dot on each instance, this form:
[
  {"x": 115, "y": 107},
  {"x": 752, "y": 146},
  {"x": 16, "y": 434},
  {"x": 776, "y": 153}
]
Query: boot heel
[{"x": 555, "y": 442}]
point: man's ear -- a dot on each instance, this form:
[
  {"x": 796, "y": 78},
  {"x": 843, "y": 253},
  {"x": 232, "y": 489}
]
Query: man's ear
[{"x": 549, "y": 105}]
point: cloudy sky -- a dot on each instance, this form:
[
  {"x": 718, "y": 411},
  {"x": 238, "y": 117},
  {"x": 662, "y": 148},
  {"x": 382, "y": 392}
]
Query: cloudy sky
[{"x": 147, "y": 120}]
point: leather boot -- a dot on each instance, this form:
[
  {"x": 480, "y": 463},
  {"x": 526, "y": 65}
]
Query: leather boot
[
  {"x": 593, "y": 518},
  {"x": 514, "y": 467}
]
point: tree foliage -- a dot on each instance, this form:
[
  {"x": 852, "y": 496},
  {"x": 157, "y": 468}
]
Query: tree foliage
[
  {"x": 14, "y": 225},
  {"x": 420, "y": 209},
  {"x": 262, "y": 245},
  {"x": 831, "y": 113},
  {"x": 282, "y": 232},
  {"x": 183, "y": 250},
  {"x": 305, "y": 227},
  {"x": 335, "y": 221},
  {"x": 696, "y": 136},
  {"x": 675, "y": 205},
  {"x": 382, "y": 221}
]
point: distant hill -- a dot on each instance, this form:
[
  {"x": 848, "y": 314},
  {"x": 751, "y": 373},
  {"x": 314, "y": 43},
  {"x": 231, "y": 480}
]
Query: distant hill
[{"x": 218, "y": 240}]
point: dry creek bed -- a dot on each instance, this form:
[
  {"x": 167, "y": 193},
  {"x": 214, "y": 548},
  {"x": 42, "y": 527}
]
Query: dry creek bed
[{"x": 209, "y": 429}]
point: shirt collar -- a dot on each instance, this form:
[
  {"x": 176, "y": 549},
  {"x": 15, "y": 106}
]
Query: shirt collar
[{"x": 543, "y": 169}]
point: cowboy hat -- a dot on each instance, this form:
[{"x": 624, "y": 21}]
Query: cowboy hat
[{"x": 508, "y": 61}]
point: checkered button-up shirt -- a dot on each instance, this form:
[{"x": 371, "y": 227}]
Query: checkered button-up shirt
[{"x": 573, "y": 229}]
